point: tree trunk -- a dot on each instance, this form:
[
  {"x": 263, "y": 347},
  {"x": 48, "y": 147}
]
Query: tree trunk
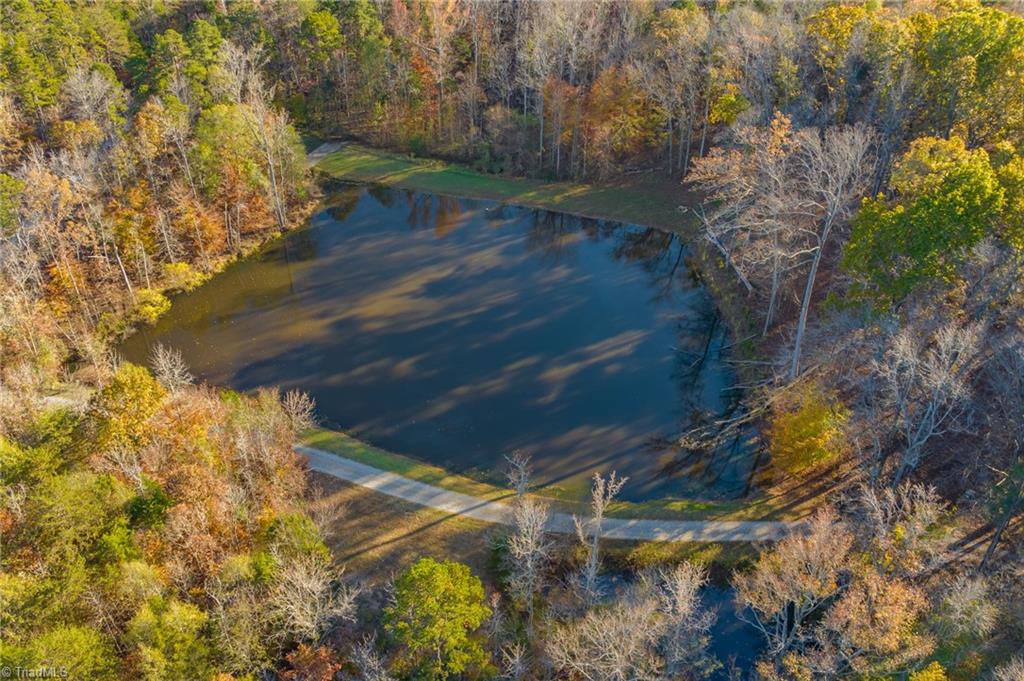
[
  {"x": 540, "y": 117},
  {"x": 704, "y": 129},
  {"x": 805, "y": 306},
  {"x": 1004, "y": 522},
  {"x": 669, "y": 124},
  {"x": 689, "y": 137},
  {"x": 186, "y": 166},
  {"x": 275, "y": 191},
  {"x": 145, "y": 265},
  {"x": 773, "y": 296},
  {"x": 558, "y": 138},
  {"x": 120, "y": 263}
]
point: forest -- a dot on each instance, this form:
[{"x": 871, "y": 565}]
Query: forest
[{"x": 849, "y": 177}]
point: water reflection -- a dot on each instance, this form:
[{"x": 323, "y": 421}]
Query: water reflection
[{"x": 456, "y": 330}]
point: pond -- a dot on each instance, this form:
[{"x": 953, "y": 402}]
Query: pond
[{"x": 457, "y": 330}]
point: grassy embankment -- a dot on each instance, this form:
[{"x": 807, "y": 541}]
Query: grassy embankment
[
  {"x": 569, "y": 499},
  {"x": 645, "y": 201},
  {"x": 383, "y": 535}
]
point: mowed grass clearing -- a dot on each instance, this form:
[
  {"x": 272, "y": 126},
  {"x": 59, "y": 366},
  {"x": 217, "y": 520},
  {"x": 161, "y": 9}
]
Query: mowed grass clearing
[{"x": 646, "y": 201}]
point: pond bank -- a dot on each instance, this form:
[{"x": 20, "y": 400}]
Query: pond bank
[
  {"x": 569, "y": 500},
  {"x": 650, "y": 202},
  {"x": 497, "y": 510}
]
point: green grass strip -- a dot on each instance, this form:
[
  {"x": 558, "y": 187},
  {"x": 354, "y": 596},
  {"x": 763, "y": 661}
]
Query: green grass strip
[
  {"x": 568, "y": 499},
  {"x": 647, "y": 202}
]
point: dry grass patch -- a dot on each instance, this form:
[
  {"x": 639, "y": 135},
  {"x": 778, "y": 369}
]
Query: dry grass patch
[{"x": 380, "y": 535}]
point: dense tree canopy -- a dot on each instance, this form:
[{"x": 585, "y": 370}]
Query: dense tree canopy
[
  {"x": 145, "y": 525},
  {"x": 438, "y": 607},
  {"x": 948, "y": 199}
]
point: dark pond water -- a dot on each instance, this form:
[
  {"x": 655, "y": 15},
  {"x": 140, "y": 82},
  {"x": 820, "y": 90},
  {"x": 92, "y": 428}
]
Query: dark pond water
[
  {"x": 457, "y": 330},
  {"x": 735, "y": 643}
]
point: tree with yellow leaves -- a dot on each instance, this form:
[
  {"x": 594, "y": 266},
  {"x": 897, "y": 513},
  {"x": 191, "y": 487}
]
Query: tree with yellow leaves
[{"x": 807, "y": 428}]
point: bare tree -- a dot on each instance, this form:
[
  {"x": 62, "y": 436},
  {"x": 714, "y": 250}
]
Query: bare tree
[
  {"x": 758, "y": 47},
  {"x": 13, "y": 499},
  {"x": 169, "y": 367},
  {"x": 670, "y": 74},
  {"x": 789, "y": 584},
  {"x": 125, "y": 461},
  {"x": 537, "y": 58},
  {"x": 300, "y": 409},
  {"x": 966, "y": 612},
  {"x": 1011, "y": 671},
  {"x": 617, "y": 642},
  {"x": 514, "y": 663},
  {"x": 752, "y": 193},
  {"x": 89, "y": 95},
  {"x": 687, "y": 624},
  {"x": 832, "y": 169},
  {"x": 241, "y": 624},
  {"x": 900, "y": 527},
  {"x": 776, "y": 202},
  {"x": 654, "y": 629},
  {"x": 602, "y": 493},
  {"x": 1007, "y": 376},
  {"x": 269, "y": 128},
  {"x": 519, "y": 472},
  {"x": 368, "y": 662},
  {"x": 326, "y": 512},
  {"x": 308, "y": 598},
  {"x": 529, "y": 552},
  {"x": 529, "y": 549},
  {"x": 896, "y": 83},
  {"x": 447, "y": 18},
  {"x": 927, "y": 390},
  {"x": 497, "y": 627},
  {"x": 235, "y": 70}
]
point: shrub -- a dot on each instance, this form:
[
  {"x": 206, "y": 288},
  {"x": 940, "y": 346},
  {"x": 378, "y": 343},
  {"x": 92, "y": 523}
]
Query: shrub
[
  {"x": 117, "y": 543},
  {"x": 82, "y": 651},
  {"x": 74, "y": 511},
  {"x": 149, "y": 507},
  {"x": 171, "y": 641},
  {"x": 294, "y": 535},
  {"x": 933, "y": 672},
  {"x": 180, "y": 276},
  {"x": 807, "y": 428},
  {"x": 121, "y": 411},
  {"x": 150, "y": 305}
]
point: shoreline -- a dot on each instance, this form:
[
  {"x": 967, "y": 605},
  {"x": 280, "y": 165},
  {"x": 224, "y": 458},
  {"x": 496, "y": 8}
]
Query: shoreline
[
  {"x": 643, "y": 204},
  {"x": 568, "y": 500},
  {"x": 498, "y": 510}
]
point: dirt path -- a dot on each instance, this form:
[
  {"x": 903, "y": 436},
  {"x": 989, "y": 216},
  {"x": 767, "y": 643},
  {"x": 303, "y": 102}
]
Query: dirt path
[{"x": 490, "y": 511}]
